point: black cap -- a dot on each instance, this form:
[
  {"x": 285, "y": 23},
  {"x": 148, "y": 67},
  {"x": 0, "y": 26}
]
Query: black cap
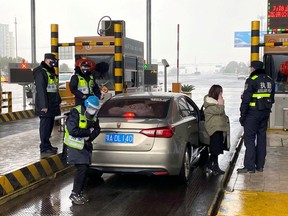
[
  {"x": 257, "y": 65},
  {"x": 85, "y": 63},
  {"x": 50, "y": 56}
]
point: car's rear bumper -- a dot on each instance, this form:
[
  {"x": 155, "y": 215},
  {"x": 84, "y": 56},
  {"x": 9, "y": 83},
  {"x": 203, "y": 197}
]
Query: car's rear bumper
[
  {"x": 136, "y": 162},
  {"x": 138, "y": 171}
]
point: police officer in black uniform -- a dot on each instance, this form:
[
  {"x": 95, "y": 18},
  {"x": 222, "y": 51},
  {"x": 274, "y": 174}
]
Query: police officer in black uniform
[
  {"x": 257, "y": 100},
  {"x": 82, "y": 83},
  {"x": 47, "y": 100}
]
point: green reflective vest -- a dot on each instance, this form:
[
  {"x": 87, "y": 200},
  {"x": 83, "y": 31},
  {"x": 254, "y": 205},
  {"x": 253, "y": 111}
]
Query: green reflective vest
[
  {"x": 52, "y": 83},
  {"x": 77, "y": 142},
  {"x": 83, "y": 86}
]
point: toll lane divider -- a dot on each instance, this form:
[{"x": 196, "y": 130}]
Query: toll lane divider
[
  {"x": 13, "y": 116},
  {"x": 29, "y": 177},
  {"x": 220, "y": 193}
]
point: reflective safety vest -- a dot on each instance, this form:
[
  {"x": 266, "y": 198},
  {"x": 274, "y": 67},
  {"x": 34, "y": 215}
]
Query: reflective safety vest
[
  {"x": 257, "y": 96},
  {"x": 52, "y": 83},
  {"x": 83, "y": 86},
  {"x": 77, "y": 142}
]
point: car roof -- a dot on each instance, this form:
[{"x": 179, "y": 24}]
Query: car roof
[{"x": 148, "y": 94}]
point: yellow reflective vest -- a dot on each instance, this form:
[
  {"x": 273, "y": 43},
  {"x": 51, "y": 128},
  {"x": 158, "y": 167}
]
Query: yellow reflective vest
[
  {"x": 83, "y": 86},
  {"x": 77, "y": 142},
  {"x": 52, "y": 83}
]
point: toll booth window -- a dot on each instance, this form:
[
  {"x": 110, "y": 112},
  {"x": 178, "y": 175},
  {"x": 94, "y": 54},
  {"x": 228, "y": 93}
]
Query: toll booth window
[
  {"x": 103, "y": 73},
  {"x": 277, "y": 67}
]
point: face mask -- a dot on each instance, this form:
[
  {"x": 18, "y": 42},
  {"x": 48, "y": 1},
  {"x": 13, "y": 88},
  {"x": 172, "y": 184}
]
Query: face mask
[
  {"x": 91, "y": 111},
  {"x": 88, "y": 116},
  {"x": 53, "y": 63},
  {"x": 85, "y": 71}
]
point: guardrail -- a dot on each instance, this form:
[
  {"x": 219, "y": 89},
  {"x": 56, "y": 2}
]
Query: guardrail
[{"x": 6, "y": 101}]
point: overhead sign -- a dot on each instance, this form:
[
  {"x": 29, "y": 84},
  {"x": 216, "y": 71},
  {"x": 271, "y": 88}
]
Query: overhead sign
[
  {"x": 243, "y": 38},
  {"x": 277, "y": 16}
]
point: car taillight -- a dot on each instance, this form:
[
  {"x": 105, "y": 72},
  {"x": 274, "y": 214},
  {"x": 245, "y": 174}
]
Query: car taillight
[
  {"x": 129, "y": 115},
  {"x": 164, "y": 132}
]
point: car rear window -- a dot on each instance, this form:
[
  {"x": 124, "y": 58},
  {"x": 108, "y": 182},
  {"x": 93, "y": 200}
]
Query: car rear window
[{"x": 139, "y": 108}]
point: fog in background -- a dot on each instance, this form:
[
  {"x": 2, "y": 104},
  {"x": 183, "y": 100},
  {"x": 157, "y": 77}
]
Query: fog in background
[{"x": 206, "y": 27}]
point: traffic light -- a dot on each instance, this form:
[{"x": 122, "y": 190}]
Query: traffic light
[{"x": 23, "y": 64}]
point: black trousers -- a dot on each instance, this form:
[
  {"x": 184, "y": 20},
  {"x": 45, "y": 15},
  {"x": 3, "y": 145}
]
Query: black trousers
[
  {"x": 45, "y": 131},
  {"x": 80, "y": 177},
  {"x": 255, "y": 127}
]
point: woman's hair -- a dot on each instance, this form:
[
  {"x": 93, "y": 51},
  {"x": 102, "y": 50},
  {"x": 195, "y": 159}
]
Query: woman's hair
[{"x": 215, "y": 91}]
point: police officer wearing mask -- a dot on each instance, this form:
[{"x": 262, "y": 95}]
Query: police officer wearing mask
[
  {"x": 82, "y": 127},
  {"x": 257, "y": 100},
  {"x": 47, "y": 100},
  {"x": 82, "y": 83}
]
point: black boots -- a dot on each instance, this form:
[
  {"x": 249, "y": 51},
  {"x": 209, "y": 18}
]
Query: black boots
[{"x": 215, "y": 169}]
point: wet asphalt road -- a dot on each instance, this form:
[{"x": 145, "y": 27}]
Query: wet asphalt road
[
  {"x": 138, "y": 195},
  {"x": 121, "y": 195}
]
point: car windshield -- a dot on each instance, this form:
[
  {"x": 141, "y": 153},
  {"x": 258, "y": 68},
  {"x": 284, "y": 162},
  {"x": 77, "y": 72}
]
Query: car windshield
[{"x": 139, "y": 108}]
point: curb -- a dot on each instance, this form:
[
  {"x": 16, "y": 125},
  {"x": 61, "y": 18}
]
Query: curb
[
  {"x": 220, "y": 193},
  {"x": 29, "y": 177},
  {"x": 7, "y": 117}
]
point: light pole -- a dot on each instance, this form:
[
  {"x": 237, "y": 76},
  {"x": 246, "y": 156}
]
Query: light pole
[{"x": 16, "y": 48}]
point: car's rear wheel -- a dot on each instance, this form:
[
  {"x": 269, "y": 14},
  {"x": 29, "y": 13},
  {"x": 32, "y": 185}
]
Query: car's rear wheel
[{"x": 185, "y": 172}]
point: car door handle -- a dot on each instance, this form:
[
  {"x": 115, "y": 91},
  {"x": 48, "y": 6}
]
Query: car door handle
[{"x": 189, "y": 126}]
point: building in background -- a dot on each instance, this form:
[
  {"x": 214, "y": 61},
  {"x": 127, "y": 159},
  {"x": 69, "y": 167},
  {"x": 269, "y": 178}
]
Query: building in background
[{"x": 7, "y": 42}]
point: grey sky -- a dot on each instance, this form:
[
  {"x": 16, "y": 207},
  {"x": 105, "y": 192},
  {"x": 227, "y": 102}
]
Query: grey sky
[{"x": 206, "y": 26}]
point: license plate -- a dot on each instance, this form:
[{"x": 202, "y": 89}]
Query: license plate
[{"x": 119, "y": 138}]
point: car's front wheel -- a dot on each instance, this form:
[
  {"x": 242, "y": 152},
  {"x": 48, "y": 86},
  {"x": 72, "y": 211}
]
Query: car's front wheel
[{"x": 185, "y": 172}]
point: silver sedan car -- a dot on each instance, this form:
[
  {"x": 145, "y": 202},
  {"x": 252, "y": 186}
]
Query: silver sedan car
[{"x": 151, "y": 133}]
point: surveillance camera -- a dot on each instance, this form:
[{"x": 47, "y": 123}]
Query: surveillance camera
[{"x": 165, "y": 63}]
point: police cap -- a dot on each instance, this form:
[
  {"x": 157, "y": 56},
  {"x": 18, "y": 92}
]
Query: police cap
[{"x": 257, "y": 65}]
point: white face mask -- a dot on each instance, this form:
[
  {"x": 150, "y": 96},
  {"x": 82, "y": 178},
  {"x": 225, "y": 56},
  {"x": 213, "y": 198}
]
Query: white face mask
[{"x": 91, "y": 111}]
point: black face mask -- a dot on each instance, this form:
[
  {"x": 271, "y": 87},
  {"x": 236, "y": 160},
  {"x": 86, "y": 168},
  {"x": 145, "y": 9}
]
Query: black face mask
[
  {"x": 85, "y": 71},
  {"x": 53, "y": 63}
]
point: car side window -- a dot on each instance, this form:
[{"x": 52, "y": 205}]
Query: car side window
[
  {"x": 194, "y": 110},
  {"x": 183, "y": 107},
  {"x": 191, "y": 108}
]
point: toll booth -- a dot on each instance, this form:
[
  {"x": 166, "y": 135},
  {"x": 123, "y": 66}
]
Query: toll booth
[
  {"x": 104, "y": 58},
  {"x": 275, "y": 57},
  {"x": 276, "y": 64}
]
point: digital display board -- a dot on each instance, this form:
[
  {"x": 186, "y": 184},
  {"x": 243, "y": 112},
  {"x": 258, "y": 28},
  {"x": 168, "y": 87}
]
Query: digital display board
[
  {"x": 277, "y": 19},
  {"x": 21, "y": 73}
]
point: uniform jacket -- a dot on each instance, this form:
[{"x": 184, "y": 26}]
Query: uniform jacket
[
  {"x": 215, "y": 117},
  {"x": 263, "y": 82},
  {"x": 44, "y": 99},
  {"x": 75, "y": 156},
  {"x": 74, "y": 86}
]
